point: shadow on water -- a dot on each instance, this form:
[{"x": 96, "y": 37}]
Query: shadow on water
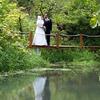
[{"x": 51, "y": 86}]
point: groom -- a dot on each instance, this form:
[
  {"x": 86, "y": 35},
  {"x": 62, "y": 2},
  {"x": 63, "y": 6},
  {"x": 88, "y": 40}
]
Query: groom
[{"x": 48, "y": 28}]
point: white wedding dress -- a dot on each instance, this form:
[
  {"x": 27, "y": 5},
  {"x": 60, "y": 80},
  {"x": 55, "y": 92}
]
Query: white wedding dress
[{"x": 39, "y": 36}]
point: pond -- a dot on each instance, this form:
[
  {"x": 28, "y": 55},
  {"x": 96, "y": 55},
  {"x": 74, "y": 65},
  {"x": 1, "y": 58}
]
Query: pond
[{"x": 49, "y": 86}]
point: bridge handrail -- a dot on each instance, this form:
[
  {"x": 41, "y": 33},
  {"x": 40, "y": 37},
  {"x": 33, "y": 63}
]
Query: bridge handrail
[
  {"x": 91, "y": 36},
  {"x": 64, "y": 35},
  {"x": 58, "y": 37}
]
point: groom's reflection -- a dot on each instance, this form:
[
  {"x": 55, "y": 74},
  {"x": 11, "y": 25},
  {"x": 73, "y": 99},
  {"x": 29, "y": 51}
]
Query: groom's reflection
[
  {"x": 41, "y": 88},
  {"x": 46, "y": 92}
]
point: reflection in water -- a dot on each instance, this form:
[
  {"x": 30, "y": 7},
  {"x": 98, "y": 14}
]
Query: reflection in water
[
  {"x": 48, "y": 88},
  {"x": 41, "y": 88},
  {"x": 46, "y": 93}
]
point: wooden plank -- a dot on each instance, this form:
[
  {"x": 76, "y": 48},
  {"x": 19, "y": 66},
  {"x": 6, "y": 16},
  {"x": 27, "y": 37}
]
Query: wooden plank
[
  {"x": 64, "y": 35},
  {"x": 81, "y": 41},
  {"x": 57, "y": 40},
  {"x": 91, "y": 36},
  {"x": 98, "y": 47},
  {"x": 30, "y": 39},
  {"x": 54, "y": 46},
  {"x": 62, "y": 46}
]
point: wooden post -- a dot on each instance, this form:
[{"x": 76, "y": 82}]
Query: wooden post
[
  {"x": 81, "y": 41},
  {"x": 30, "y": 39},
  {"x": 57, "y": 40}
]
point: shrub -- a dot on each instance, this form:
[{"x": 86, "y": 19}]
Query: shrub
[{"x": 19, "y": 59}]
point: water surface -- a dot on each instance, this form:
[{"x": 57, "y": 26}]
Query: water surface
[{"x": 53, "y": 86}]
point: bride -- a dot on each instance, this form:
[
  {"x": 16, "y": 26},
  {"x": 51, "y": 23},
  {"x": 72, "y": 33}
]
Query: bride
[{"x": 39, "y": 36}]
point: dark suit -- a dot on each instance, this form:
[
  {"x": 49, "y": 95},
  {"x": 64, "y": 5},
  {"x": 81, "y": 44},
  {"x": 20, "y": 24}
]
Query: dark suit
[{"x": 48, "y": 25}]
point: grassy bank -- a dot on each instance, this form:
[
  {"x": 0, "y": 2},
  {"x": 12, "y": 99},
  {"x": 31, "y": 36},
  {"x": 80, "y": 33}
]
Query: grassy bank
[
  {"x": 13, "y": 59},
  {"x": 84, "y": 61}
]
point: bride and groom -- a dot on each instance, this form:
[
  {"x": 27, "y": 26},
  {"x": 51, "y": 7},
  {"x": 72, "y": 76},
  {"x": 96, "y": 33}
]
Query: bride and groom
[{"x": 43, "y": 29}]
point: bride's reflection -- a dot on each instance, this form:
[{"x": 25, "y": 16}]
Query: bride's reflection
[{"x": 41, "y": 88}]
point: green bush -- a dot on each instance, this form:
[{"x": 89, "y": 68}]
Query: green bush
[
  {"x": 14, "y": 54},
  {"x": 81, "y": 60},
  {"x": 19, "y": 59},
  {"x": 56, "y": 55},
  {"x": 68, "y": 55}
]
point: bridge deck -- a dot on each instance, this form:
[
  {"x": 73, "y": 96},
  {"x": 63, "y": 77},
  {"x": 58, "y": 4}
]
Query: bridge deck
[{"x": 63, "y": 46}]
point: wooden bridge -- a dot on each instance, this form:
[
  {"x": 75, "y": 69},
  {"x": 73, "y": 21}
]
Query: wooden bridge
[{"x": 58, "y": 38}]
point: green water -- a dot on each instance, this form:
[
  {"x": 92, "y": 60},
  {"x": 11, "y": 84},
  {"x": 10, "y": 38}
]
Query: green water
[{"x": 58, "y": 87}]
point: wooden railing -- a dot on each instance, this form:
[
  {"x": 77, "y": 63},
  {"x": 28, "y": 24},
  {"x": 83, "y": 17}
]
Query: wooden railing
[
  {"x": 57, "y": 37},
  {"x": 30, "y": 39}
]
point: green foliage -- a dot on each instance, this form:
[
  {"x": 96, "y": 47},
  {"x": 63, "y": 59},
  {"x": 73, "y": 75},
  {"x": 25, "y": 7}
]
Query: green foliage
[
  {"x": 13, "y": 52},
  {"x": 56, "y": 55},
  {"x": 19, "y": 15},
  {"x": 76, "y": 15},
  {"x": 13, "y": 18},
  {"x": 67, "y": 55},
  {"x": 17, "y": 58},
  {"x": 83, "y": 61},
  {"x": 95, "y": 20}
]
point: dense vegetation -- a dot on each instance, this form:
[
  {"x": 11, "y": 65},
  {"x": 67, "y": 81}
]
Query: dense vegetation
[
  {"x": 80, "y": 61},
  {"x": 14, "y": 54},
  {"x": 17, "y": 17}
]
